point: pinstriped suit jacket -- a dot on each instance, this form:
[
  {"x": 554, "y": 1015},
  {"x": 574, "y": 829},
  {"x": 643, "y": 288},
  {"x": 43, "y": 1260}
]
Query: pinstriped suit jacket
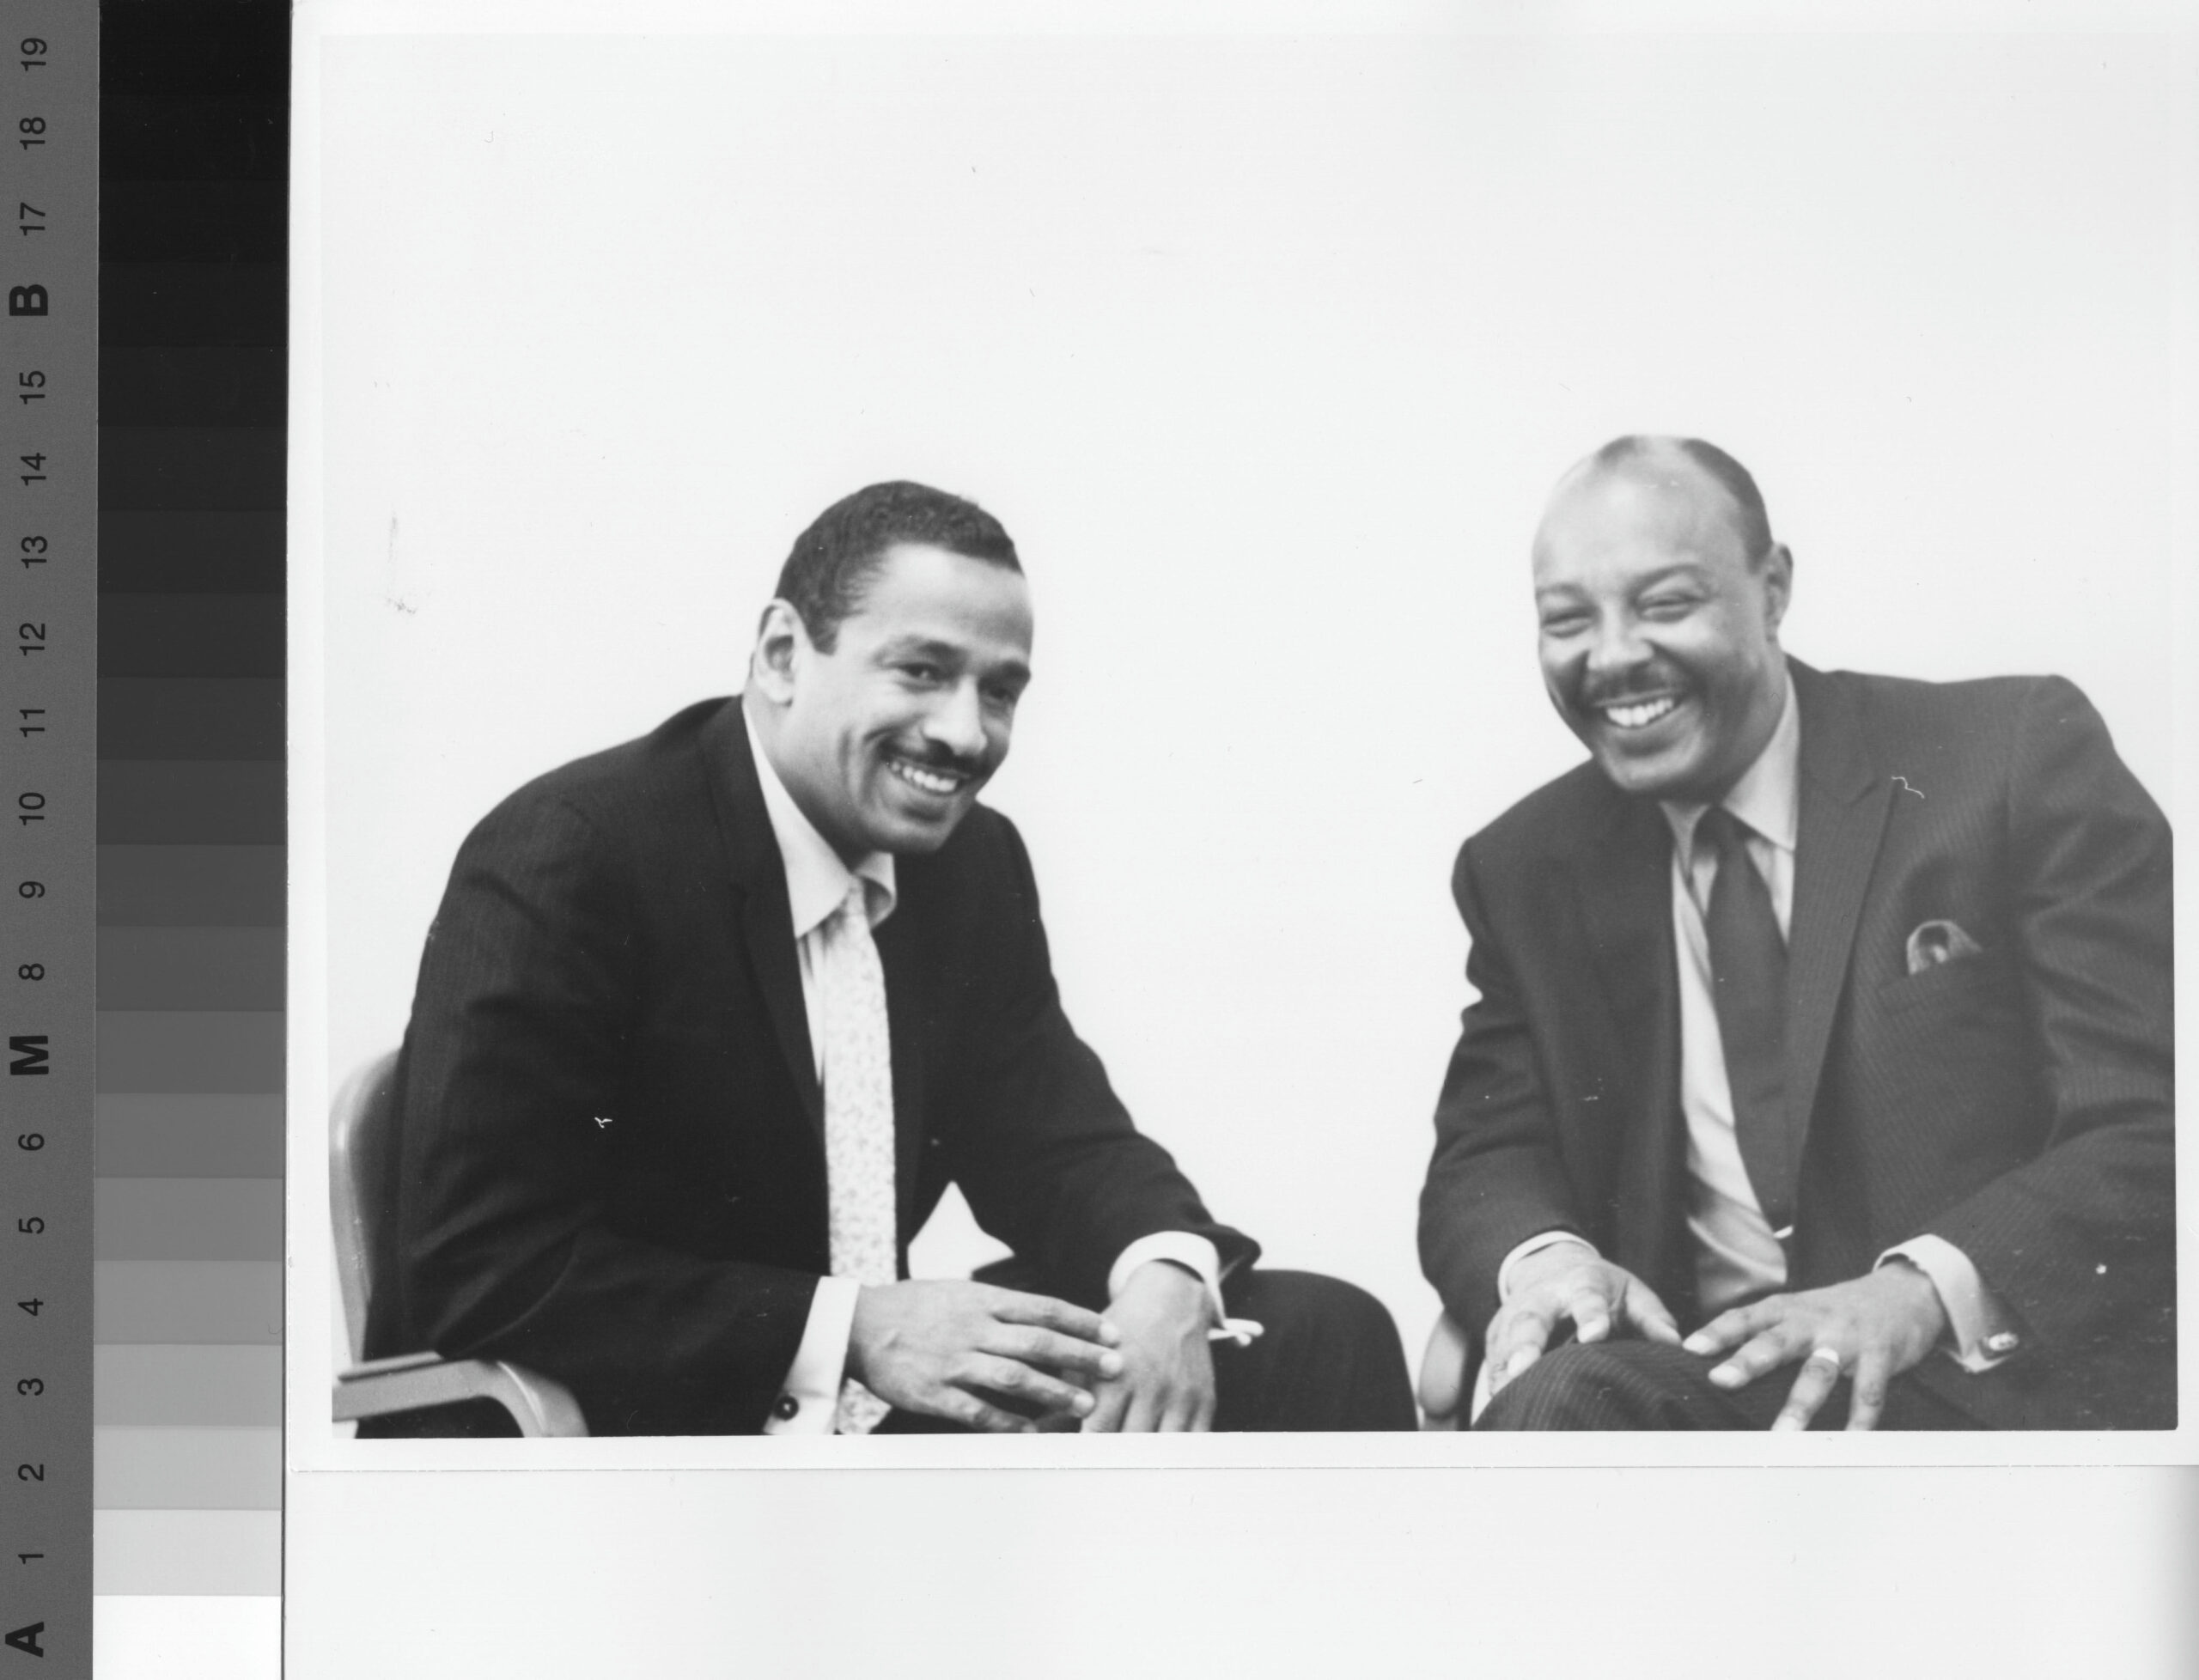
[{"x": 2018, "y": 1103}]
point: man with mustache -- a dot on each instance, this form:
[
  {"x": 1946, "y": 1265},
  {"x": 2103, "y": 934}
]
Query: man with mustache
[
  {"x": 707, "y": 1023},
  {"x": 1821, "y": 1070}
]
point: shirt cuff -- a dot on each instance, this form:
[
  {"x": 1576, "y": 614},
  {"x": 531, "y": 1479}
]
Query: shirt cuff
[
  {"x": 1981, "y": 1332},
  {"x": 810, "y": 1397},
  {"x": 1194, "y": 1253},
  {"x": 1536, "y": 1244}
]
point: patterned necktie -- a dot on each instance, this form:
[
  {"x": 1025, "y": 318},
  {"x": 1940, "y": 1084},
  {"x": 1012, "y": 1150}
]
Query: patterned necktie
[
  {"x": 1748, "y": 967},
  {"x": 858, "y": 1121}
]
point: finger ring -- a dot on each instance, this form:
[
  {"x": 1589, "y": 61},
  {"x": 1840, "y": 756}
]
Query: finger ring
[{"x": 1829, "y": 1355}]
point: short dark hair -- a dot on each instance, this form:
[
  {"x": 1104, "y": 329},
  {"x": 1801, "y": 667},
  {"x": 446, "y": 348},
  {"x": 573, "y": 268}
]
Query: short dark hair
[
  {"x": 835, "y": 559},
  {"x": 1754, "y": 522}
]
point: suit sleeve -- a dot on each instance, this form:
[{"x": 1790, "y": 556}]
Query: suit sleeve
[
  {"x": 1042, "y": 1149},
  {"x": 1496, "y": 1178},
  {"x": 521, "y": 1026},
  {"x": 2080, "y": 1241}
]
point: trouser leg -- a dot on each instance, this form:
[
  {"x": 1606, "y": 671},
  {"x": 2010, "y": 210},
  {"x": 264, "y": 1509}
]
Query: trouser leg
[
  {"x": 1328, "y": 1358},
  {"x": 1633, "y": 1384}
]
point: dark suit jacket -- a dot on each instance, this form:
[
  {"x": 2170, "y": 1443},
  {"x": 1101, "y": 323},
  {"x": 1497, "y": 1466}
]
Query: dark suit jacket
[
  {"x": 2018, "y": 1103},
  {"x": 611, "y": 1154}
]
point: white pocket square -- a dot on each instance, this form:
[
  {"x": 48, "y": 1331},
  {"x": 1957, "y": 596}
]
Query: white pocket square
[{"x": 1938, "y": 942}]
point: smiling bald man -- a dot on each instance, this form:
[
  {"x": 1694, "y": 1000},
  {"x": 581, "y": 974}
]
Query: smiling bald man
[{"x": 1821, "y": 1069}]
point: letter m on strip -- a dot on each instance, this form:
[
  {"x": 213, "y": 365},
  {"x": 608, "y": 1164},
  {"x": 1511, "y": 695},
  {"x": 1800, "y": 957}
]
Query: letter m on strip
[{"x": 28, "y": 1049}]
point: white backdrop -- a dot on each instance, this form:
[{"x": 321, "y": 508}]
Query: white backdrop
[
  {"x": 1265, "y": 345},
  {"x": 1265, "y": 350}
]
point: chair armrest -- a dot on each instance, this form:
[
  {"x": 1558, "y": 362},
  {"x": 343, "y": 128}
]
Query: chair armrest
[
  {"x": 1444, "y": 1375},
  {"x": 376, "y": 1368},
  {"x": 410, "y": 1381}
]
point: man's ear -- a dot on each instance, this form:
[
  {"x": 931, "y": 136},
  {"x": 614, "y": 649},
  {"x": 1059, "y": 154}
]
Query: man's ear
[
  {"x": 1778, "y": 585},
  {"x": 782, "y": 646}
]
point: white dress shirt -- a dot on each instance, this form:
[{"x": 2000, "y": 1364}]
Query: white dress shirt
[
  {"x": 817, "y": 882},
  {"x": 1738, "y": 1256}
]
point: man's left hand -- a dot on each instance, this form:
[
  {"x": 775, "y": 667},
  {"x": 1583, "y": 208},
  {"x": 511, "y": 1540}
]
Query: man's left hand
[
  {"x": 1871, "y": 1328},
  {"x": 1167, "y": 1377}
]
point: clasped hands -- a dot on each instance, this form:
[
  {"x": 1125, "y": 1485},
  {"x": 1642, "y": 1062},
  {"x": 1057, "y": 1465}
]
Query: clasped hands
[
  {"x": 1871, "y": 1328},
  {"x": 1011, "y": 1363}
]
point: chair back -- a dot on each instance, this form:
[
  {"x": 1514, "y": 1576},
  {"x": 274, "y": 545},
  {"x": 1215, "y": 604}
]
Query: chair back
[{"x": 362, "y": 1188}]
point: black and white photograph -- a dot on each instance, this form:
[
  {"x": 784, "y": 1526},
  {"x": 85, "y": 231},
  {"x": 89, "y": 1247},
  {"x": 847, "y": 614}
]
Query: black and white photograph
[{"x": 1213, "y": 742}]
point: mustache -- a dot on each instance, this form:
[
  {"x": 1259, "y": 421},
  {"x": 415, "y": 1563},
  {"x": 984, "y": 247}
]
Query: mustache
[
  {"x": 1588, "y": 691},
  {"x": 929, "y": 755}
]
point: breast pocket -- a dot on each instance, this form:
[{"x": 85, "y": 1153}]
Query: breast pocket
[
  {"x": 1950, "y": 1055},
  {"x": 1977, "y": 979}
]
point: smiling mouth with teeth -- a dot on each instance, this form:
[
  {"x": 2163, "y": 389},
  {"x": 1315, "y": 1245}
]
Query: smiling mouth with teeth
[
  {"x": 1639, "y": 714},
  {"x": 940, "y": 782}
]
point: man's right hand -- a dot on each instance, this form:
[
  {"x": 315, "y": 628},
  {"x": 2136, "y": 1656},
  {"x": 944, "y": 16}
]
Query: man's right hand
[
  {"x": 1569, "y": 1282},
  {"x": 953, "y": 1349}
]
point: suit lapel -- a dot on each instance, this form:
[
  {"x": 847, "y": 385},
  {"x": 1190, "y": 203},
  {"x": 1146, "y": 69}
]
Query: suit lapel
[
  {"x": 1842, "y": 815},
  {"x": 1623, "y": 881},
  {"x": 766, "y": 922}
]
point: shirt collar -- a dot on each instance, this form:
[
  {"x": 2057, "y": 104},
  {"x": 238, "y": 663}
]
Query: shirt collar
[
  {"x": 817, "y": 880},
  {"x": 1768, "y": 796}
]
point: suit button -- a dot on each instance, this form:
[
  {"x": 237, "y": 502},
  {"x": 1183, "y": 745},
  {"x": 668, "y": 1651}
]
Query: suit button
[
  {"x": 786, "y": 1408},
  {"x": 2002, "y": 1342}
]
